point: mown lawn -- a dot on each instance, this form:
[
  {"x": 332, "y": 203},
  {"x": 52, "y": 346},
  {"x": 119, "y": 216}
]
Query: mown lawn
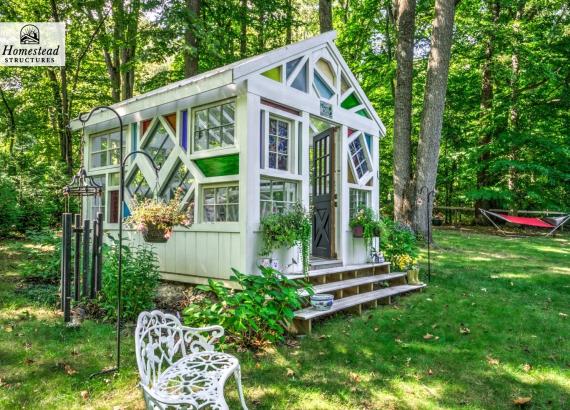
[{"x": 492, "y": 327}]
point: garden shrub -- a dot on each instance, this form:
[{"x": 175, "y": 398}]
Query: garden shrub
[
  {"x": 140, "y": 279},
  {"x": 398, "y": 240},
  {"x": 254, "y": 316},
  {"x": 9, "y": 209}
]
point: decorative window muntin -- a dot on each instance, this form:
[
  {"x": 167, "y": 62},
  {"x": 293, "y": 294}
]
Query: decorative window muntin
[
  {"x": 97, "y": 203},
  {"x": 220, "y": 203},
  {"x": 214, "y": 126},
  {"x": 180, "y": 179},
  {"x": 137, "y": 185},
  {"x": 105, "y": 149},
  {"x": 279, "y": 143},
  {"x": 360, "y": 157},
  {"x": 277, "y": 195},
  {"x": 159, "y": 144},
  {"x": 358, "y": 198}
]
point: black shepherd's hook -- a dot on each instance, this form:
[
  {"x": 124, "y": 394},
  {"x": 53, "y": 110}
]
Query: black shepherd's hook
[
  {"x": 83, "y": 118},
  {"x": 429, "y": 197}
]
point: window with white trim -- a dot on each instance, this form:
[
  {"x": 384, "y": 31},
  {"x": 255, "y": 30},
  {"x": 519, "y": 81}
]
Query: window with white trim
[
  {"x": 358, "y": 198},
  {"x": 220, "y": 203},
  {"x": 276, "y": 195},
  {"x": 279, "y": 144},
  {"x": 105, "y": 149},
  {"x": 97, "y": 203},
  {"x": 360, "y": 157},
  {"x": 214, "y": 126}
]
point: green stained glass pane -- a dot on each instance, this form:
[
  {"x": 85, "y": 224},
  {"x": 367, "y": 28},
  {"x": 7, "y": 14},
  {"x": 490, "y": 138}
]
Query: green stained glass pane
[
  {"x": 274, "y": 73},
  {"x": 350, "y": 102},
  {"x": 363, "y": 112},
  {"x": 219, "y": 166}
]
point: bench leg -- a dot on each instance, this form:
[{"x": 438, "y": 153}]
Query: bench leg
[{"x": 237, "y": 375}]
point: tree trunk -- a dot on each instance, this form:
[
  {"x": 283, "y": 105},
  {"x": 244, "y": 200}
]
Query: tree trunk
[
  {"x": 325, "y": 15},
  {"x": 191, "y": 54},
  {"x": 243, "y": 29},
  {"x": 402, "y": 154},
  {"x": 486, "y": 105},
  {"x": 432, "y": 114},
  {"x": 289, "y": 14}
]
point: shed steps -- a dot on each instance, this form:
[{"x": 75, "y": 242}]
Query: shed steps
[
  {"x": 341, "y": 269},
  {"x": 350, "y": 283}
]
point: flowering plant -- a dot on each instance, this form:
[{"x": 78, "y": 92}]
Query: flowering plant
[
  {"x": 154, "y": 213},
  {"x": 404, "y": 262}
]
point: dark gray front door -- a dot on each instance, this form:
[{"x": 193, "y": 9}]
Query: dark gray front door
[{"x": 323, "y": 193}]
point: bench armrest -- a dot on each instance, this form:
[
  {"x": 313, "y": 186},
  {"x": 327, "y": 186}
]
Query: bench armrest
[{"x": 200, "y": 339}]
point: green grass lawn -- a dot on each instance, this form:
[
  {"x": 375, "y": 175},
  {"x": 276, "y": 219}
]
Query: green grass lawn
[{"x": 492, "y": 326}]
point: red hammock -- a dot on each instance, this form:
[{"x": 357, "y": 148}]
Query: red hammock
[{"x": 553, "y": 223}]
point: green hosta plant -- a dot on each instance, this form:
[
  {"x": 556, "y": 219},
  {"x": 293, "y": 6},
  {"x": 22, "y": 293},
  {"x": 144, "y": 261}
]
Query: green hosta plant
[
  {"x": 287, "y": 229},
  {"x": 257, "y": 314},
  {"x": 398, "y": 240}
]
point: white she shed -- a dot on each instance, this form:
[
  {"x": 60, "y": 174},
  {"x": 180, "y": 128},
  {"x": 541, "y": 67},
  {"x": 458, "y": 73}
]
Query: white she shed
[{"x": 290, "y": 125}]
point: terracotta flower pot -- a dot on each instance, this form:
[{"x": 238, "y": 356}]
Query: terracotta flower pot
[
  {"x": 358, "y": 231},
  {"x": 153, "y": 234}
]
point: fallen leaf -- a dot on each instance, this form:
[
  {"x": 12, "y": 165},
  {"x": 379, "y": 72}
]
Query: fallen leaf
[
  {"x": 428, "y": 336},
  {"x": 69, "y": 370},
  {"x": 464, "y": 330},
  {"x": 354, "y": 377},
  {"x": 8, "y": 328},
  {"x": 527, "y": 367},
  {"x": 430, "y": 372},
  {"x": 492, "y": 361},
  {"x": 290, "y": 372},
  {"x": 521, "y": 401},
  {"x": 84, "y": 394},
  {"x": 562, "y": 314}
]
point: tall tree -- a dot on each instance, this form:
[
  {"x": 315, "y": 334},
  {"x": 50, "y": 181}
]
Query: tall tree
[
  {"x": 405, "y": 26},
  {"x": 325, "y": 15},
  {"x": 432, "y": 114},
  {"x": 191, "y": 49}
]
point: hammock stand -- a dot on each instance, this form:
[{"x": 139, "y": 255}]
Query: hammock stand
[{"x": 550, "y": 223}]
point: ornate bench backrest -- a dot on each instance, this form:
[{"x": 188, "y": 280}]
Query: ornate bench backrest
[{"x": 159, "y": 342}]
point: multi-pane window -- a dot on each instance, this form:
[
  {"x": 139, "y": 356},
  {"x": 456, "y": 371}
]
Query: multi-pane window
[
  {"x": 214, "y": 127},
  {"x": 180, "y": 180},
  {"x": 276, "y": 195},
  {"x": 98, "y": 202},
  {"x": 221, "y": 204},
  {"x": 158, "y": 144},
  {"x": 278, "y": 144},
  {"x": 105, "y": 149},
  {"x": 358, "y": 198},
  {"x": 358, "y": 157},
  {"x": 137, "y": 186}
]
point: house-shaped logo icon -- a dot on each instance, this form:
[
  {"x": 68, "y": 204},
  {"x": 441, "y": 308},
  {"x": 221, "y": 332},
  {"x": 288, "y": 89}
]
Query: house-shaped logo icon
[{"x": 29, "y": 34}]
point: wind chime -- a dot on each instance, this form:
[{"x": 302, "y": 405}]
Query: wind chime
[{"x": 82, "y": 241}]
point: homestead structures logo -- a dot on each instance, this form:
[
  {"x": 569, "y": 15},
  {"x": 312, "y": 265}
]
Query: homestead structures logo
[
  {"x": 30, "y": 34},
  {"x": 32, "y": 44}
]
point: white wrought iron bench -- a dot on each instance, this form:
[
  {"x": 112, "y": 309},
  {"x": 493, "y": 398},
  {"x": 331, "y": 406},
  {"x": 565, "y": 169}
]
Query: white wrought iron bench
[{"x": 178, "y": 365}]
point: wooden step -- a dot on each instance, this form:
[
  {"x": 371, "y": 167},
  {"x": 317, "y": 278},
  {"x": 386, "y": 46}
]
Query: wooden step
[
  {"x": 338, "y": 269},
  {"x": 310, "y": 313},
  {"x": 350, "y": 283},
  {"x": 319, "y": 263}
]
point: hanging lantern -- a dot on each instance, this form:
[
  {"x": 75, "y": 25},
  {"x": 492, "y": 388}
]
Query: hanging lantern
[{"x": 82, "y": 185}]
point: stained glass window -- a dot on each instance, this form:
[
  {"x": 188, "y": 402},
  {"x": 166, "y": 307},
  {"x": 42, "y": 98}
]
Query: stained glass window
[
  {"x": 214, "y": 127},
  {"x": 180, "y": 180},
  {"x": 364, "y": 113},
  {"x": 105, "y": 149},
  {"x": 278, "y": 144},
  {"x": 221, "y": 204},
  {"x": 98, "y": 202},
  {"x": 158, "y": 144},
  {"x": 344, "y": 84},
  {"x": 184, "y": 130},
  {"x": 138, "y": 186},
  {"x": 291, "y": 65},
  {"x": 274, "y": 73},
  {"x": 350, "y": 102},
  {"x": 276, "y": 195},
  {"x": 322, "y": 88},
  {"x": 300, "y": 82},
  {"x": 358, "y": 157},
  {"x": 327, "y": 71}
]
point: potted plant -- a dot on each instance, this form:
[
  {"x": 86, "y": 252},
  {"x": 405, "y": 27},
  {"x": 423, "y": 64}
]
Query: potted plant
[
  {"x": 155, "y": 218},
  {"x": 438, "y": 219},
  {"x": 408, "y": 264},
  {"x": 365, "y": 225},
  {"x": 285, "y": 230}
]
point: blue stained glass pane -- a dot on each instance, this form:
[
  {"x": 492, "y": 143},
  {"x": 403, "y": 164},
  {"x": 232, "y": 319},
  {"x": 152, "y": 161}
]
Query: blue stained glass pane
[
  {"x": 283, "y": 145},
  {"x": 291, "y": 65},
  {"x": 361, "y": 156},
  {"x": 368, "y": 138},
  {"x": 272, "y": 160},
  {"x": 272, "y": 143},
  {"x": 323, "y": 89},
  {"x": 300, "y": 83},
  {"x": 134, "y": 138},
  {"x": 283, "y": 129},
  {"x": 184, "y": 133},
  {"x": 126, "y": 210}
]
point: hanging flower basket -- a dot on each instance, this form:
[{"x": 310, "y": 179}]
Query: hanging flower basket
[{"x": 154, "y": 234}]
